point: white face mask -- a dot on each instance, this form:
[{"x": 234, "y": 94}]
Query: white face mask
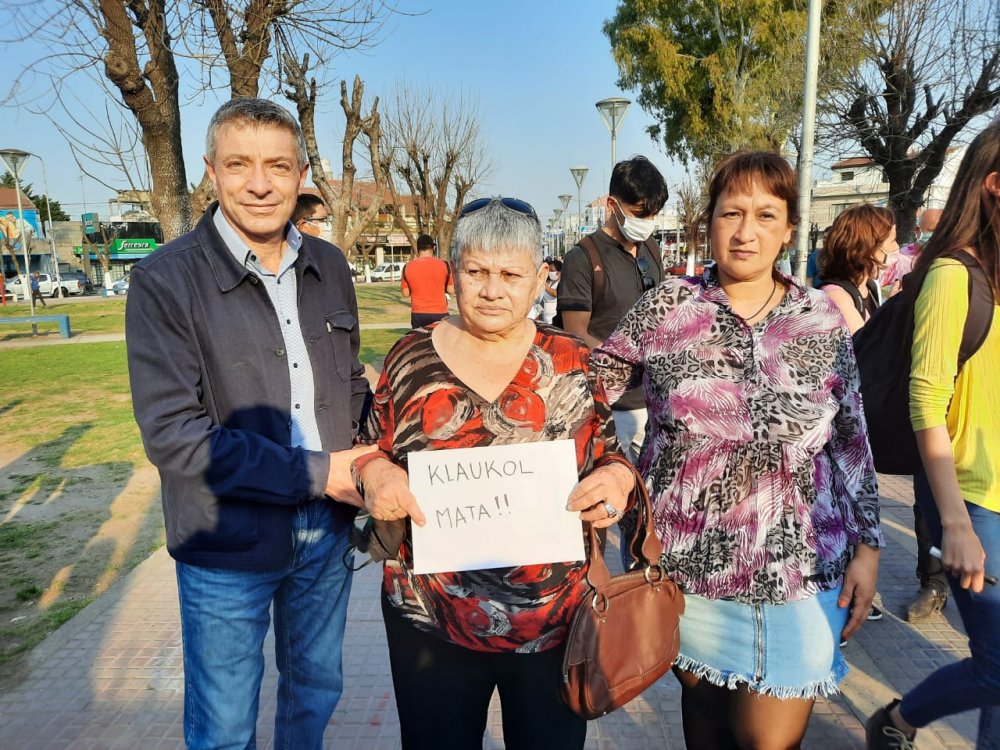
[
  {"x": 553, "y": 275},
  {"x": 635, "y": 229}
]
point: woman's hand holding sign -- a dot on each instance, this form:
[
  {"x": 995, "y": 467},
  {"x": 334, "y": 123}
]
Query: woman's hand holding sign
[
  {"x": 387, "y": 492},
  {"x": 602, "y": 496}
]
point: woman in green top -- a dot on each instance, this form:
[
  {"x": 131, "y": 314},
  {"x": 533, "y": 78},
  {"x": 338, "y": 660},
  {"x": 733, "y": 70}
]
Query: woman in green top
[{"x": 956, "y": 418}]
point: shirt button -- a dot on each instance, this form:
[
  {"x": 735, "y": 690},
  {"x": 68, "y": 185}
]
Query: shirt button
[
  {"x": 295, "y": 364},
  {"x": 288, "y": 321},
  {"x": 297, "y": 406},
  {"x": 253, "y": 257},
  {"x": 279, "y": 352}
]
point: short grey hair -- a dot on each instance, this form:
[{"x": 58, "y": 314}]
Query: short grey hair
[
  {"x": 256, "y": 112},
  {"x": 496, "y": 228}
]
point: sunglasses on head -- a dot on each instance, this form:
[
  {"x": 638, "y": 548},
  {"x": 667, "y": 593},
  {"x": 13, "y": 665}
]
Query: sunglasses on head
[{"x": 514, "y": 204}]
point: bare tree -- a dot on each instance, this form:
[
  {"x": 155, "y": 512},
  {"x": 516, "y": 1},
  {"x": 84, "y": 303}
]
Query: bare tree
[
  {"x": 140, "y": 44},
  {"x": 692, "y": 200},
  {"x": 931, "y": 68},
  {"x": 350, "y": 218},
  {"x": 435, "y": 147}
]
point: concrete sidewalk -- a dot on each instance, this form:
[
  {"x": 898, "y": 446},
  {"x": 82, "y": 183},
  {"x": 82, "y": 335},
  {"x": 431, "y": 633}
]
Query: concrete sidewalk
[{"x": 111, "y": 677}]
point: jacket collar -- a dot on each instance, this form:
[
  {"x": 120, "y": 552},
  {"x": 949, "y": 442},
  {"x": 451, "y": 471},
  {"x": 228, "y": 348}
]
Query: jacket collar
[{"x": 229, "y": 273}]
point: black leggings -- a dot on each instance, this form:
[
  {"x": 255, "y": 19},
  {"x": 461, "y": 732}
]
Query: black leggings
[{"x": 443, "y": 693}]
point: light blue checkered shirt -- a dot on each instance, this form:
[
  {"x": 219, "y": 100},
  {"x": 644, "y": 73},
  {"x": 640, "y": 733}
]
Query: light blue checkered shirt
[{"x": 282, "y": 288}]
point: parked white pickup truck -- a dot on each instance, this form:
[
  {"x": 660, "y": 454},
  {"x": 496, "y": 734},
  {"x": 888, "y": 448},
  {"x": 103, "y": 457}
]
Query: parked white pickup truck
[{"x": 47, "y": 286}]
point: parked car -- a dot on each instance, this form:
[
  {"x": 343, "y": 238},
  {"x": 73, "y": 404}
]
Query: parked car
[
  {"x": 388, "y": 272},
  {"x": 88, "y": 285},
  {"x": 8, "y": 294},
  {"x": 120, "y": 287},
  {"x": 47, "y": 285},
  {"x": 681, "y": 270}
]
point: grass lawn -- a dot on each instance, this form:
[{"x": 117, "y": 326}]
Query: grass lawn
[
  {"x": 94, "y": 315},
  {"x": 79, "y": 502},
  {"x": 378, "y": 302}
]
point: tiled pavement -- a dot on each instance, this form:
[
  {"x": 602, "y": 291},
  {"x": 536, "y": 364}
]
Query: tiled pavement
[{"x": 111, "y": 677}]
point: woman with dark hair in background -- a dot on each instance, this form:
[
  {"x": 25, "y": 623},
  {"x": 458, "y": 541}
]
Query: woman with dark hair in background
[
  {"x": 759, "y": 467},
  {"x": 955, "y": 415}
]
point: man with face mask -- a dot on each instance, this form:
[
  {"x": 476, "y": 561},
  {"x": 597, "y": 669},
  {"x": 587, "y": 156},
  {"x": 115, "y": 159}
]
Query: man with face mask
[
  {"x": 630, "y": 264},
  {"x": 901, "y": 263},
  {"x": 310, "y": 215}
]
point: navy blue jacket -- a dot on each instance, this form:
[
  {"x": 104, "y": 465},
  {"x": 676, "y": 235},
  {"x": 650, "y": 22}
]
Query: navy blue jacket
[{"x": 211, "y": 394}]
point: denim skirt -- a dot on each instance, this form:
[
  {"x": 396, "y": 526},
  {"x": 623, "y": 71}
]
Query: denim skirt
[{"x": 784, "y": 650}]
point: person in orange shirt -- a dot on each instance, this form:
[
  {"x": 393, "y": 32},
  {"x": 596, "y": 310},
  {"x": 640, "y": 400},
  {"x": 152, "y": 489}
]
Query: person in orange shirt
[{"x": 426, "y": 280}]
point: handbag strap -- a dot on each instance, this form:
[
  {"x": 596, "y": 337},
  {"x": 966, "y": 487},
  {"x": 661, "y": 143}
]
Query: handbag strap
[{"x": 598, "y": 574}]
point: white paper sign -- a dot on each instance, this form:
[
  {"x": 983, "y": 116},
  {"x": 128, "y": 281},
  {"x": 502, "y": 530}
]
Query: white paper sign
[{"x": 495, "y": 507}]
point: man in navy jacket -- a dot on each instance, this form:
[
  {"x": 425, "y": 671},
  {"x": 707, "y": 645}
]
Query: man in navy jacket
[{"x": 243, "y": 358}]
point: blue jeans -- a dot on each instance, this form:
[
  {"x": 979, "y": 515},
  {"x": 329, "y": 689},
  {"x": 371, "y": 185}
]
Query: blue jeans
[
  {"x": 225, "y": 616},
  {"x": 973, "y": 682}
]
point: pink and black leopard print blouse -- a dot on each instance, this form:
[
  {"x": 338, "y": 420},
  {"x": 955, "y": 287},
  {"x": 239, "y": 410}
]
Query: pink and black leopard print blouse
[{"x": 757, "y": 457}]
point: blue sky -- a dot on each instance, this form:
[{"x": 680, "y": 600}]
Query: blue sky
[{"x": 536, "y": 68}]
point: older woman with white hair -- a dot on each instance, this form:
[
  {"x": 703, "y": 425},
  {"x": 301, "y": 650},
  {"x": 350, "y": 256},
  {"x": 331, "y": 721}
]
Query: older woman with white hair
[{"x": 488, "y": 376}]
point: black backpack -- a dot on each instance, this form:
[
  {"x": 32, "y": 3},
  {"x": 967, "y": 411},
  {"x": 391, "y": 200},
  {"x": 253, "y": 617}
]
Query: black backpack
[
  {"x": 597, "y": 285},
  {"x": 860, "y": 303},
  {"x": 883, "y": 349}
]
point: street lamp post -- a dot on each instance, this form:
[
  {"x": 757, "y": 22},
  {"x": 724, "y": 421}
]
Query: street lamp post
[
  {"x": 556, "y": 216},
  {"x": 613, "y": 111},
  {"x": 579, "y": 174},
  {"x": 14, "y": 159},
  {"x": 51, "y": 233},
  {"x": 565, "y": 198}
]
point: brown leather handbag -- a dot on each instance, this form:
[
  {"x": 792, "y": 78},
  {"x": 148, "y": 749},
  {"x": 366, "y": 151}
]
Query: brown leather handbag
[{"x": 625, "y": 634}]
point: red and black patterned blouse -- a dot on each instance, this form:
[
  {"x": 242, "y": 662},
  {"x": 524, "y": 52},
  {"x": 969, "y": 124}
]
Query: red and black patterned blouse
[{"x": 421, "y": 405}]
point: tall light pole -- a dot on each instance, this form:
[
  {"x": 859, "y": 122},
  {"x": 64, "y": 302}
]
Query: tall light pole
[
  {"x": 51, "y": 233},
  {"x": 14, "y": 159},
  {"x": 579, "y": 174},
  {"x": 613, "y": 111},
  {"x": 556, "y": 215},
  {"x": 808, "y": 127}
]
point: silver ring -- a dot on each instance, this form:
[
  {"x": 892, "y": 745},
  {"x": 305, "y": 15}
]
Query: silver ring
[{"x": 612, "y": 510}]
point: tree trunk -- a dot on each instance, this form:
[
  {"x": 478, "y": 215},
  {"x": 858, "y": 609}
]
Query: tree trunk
[
  {"x": 151, "y": 93},
  {"x": 904, "y": 200}
]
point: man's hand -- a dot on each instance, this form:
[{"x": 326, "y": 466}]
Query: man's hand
[
  {"x": 387, "y": 492},
  {"x": 859, "y": 587},
  {"x": 339, "y": 484}
]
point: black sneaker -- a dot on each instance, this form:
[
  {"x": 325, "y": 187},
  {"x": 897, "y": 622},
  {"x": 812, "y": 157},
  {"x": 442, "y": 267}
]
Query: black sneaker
[
  {"x": 930, "y": 600},
  {"x": 882, "y": 734},
  {"x": 874, "y": 614}
]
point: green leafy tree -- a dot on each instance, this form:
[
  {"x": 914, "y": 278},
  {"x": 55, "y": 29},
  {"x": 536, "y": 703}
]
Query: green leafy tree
[
  {"x": 720, "y": 75},
  {"x": 42, "y": 202}
]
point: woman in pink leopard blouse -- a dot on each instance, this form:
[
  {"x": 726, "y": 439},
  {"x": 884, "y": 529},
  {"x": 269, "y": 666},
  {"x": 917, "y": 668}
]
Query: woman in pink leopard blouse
[{"x": 758, "y": 463}]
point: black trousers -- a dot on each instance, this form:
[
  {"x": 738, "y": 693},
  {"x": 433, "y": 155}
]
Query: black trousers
[
  {"x": 443, "y": 693},
  {"x": 419, "y": 320},
  {"x": 930, "y": 571}
]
